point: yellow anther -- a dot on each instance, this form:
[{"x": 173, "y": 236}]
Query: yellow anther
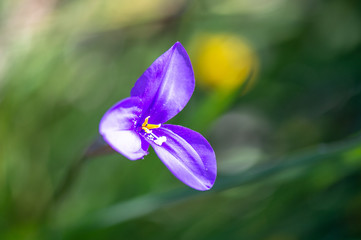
[{"x": 147, "y": 127}]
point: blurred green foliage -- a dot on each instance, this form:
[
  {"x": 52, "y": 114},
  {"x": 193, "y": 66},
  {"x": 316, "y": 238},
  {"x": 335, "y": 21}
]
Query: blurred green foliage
[{"x": 288, "y": 148}]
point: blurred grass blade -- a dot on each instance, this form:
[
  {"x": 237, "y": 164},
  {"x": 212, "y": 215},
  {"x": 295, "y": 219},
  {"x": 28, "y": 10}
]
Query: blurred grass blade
[
  {"x": 141, "y": 206},
  {"x": 144, "y": 205}
]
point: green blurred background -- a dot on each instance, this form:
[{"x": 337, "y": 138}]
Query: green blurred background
[{"x": 278, "y": 96}]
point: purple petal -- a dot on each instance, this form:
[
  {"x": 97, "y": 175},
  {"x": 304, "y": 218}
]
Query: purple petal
[
  {"x": 166, "y": 86},
  {"x": 118, "y": 128},
  {"x": 188, "y": 155}
]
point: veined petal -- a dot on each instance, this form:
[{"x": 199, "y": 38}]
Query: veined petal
[
  {"x": 166, "y": 86},
  {"x": 188, "y": 155},
  {"x": 118, "y": 128}
]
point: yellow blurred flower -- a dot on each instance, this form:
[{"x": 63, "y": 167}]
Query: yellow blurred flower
[{"x": 224, "y": 61}]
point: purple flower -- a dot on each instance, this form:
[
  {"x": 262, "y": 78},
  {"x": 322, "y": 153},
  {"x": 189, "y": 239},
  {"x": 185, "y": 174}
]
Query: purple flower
[{"x": 134, "y": 123}]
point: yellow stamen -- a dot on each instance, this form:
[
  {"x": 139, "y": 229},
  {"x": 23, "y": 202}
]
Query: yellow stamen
[
  {"x": 151, "y": 136},
  {"x": 147, "y": 127}
]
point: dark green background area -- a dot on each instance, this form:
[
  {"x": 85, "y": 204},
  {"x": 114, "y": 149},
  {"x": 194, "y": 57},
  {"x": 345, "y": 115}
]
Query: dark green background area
[{"x": 288, "y": 150}]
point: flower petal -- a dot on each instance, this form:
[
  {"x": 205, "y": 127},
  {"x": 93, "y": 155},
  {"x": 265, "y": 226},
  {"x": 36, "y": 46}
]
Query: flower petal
[
  {"x": 166, "y": 86},
  {"x": 128, "y": 143},
  {"x": 118, "y": 128},
  {"x": 188, "y": 155}
]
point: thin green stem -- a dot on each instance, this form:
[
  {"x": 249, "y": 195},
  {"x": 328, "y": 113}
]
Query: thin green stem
[{"x": 71, "y": 175}]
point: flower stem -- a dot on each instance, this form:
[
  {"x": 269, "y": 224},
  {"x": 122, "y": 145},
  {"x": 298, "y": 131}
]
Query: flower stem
[{"x": 96, "y": 149}]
